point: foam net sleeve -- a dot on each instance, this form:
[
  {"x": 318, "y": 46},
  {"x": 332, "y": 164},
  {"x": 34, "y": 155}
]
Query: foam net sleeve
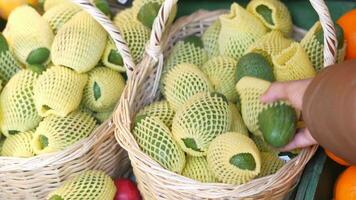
[
  {"x": 200, "y": 120},
  {"x": 270, "y": 44},
  {"x": 137, "y": 4},
  {"x": 223, "y": 148},
  {"x": 79, "y": 44},
  {"x": 281, "y": 18},
  {"x": 59, "y": 15},
  {"x": 292, "y": 64},
  {"x": 17, "y": 108},
  {"x": 9, "y": 66},
  {"x": 183, "y": 52},
  {"x": 160, "y": 109},
  {"x": 59, "y": 91},
  {"x": 211, "y": 39},
  {"x": 221, "y": 73},
  {"x": 271, "y": 163},
  {"x": 48, "y": 4},
  {"x": 110, "y": 85},
  {"x": 110, "y": 46},
  {"x": 124, "y": 16},
  {"x": 18, "y": 145},
  {"x": 62, "y": 132},
  {"x": 88, "y": 185},
  {"x": 239, "y": 29},
  {"x": 250, "y": 90},
  {"x": 237, "y": 124},
  {"x": 27, "y": 31},
  {"x": 197, "y": 168},
  {"x": 184, "y": 81},
  {"x": 155, "y": 139},
  {"x": 261, "y": 144},
  {"x": 313, "y": 47},
  {"x": 136, "y": 36},
  {"x": 103, "y": 116}
]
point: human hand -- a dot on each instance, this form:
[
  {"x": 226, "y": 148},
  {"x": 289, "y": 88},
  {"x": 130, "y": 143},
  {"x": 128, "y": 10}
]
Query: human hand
[{"x": 293, "y": 92}]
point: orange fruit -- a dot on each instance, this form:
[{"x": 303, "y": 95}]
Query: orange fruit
[
  {"x": 345, "y": 187},
  {"x": 7, "y": 6},
  {"x": 348, "y": 24},
  {"x": 336, "y": 159}
]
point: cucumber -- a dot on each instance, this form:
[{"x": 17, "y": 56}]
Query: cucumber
[
  {"x": 243, "y": 161},
  {"x": 38, "y": 56},
  {"x": 319, "y": 35},
  {"x": 115, "y": 58},
  {"x": 266, "y": 13},
  {"x": 278, "y": 124},
  {"x": 148, "y": 13},
  {"x": 254, "y": 65},
  {"x": 4, "y": 46}
]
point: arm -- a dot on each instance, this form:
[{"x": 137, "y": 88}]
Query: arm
[{"x": 329, "y": 109}]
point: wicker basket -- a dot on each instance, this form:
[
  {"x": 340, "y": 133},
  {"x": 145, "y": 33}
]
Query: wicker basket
[
  {"x": 158, "y": 183},
  {"x": 33, "y": 178}
]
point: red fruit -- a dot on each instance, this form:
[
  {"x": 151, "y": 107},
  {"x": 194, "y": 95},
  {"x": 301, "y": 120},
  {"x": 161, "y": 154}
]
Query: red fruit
[{"x": 126, "y": 190}]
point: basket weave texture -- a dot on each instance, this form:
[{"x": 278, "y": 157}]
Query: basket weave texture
[
  {"x": 157, "y": 183},
  {"x": 34, "y": 178}
]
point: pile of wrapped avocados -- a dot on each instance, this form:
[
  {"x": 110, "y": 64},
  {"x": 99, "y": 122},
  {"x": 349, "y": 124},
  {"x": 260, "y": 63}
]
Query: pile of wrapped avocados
[{"x": 211, "y": 125}]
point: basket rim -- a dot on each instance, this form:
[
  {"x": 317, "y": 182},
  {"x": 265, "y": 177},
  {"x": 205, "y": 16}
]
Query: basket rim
[{"x": 123, "y": 122}]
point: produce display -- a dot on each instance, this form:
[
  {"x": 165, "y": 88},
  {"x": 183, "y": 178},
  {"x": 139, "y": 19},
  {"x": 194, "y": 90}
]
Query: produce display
[
  {"x": 61, "y": 75},
  {"x": 210, "y": 125}
]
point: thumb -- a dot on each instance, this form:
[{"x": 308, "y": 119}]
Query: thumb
[
  {"x": 302, "y": 139},
  {"x": 275, "y": 92}
]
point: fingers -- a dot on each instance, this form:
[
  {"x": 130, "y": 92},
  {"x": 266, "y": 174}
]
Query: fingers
[
  {"x": 275, "y": 92},
  {"x": 302, "y": 139}
]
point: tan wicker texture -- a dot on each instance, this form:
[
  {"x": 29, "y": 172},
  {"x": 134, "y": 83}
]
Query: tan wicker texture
[
  {"x": 158, "y": 183},
  {"x": 34, "y": 178}
]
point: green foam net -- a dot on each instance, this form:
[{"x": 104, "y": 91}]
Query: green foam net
[
  {"x": 18, "y": 145},
  {"x": 62, "y": 132},
  {"x": 89, "y": 185},
  {"x": 271, "y": 163},
  {"x": 237, "y": 124},
  {"x": 160, "y": 109},
  {"x": 223, "y": 148},
  {"x": 103, "y": 116},
  {"x": 136, "y": 36},
  {"x": 121, "y": 18},
  {"x": 183, "y": 52},
  {"x": 292, "y": 64},
  {"x": 59, "y": 15},
  {"x": 103, "y": 89},
  {"x": 211, "y": 39},
  {"x": 239, "y": 29},
  {"x": 8, "y": 66},
  {"x": 17, "y": 108},
  {"x": 197, "y": 168},
  {"x": 184, "y": 81},
  {"x": 199, "y": 121},
  {"x": 280, "y": 17},
  {"x": 155, "y": 139},
  {"x": 270, "y": 44},
  {"x": 27, "y": 31},
  {"x": 221, "y": 73},
  {"x": 85, "y": 46},
  {"x": 59, "y": 91}
]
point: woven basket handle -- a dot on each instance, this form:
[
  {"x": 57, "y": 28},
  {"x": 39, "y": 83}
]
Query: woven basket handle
[
  {"x": 114, "y": 33},
  {"x": 330, "y": 49}
]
